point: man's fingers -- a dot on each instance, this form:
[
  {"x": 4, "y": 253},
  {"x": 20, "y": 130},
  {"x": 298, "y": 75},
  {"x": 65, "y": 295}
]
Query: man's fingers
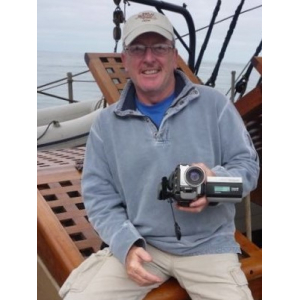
[
  {"x": 143, "y": 255},
  {"x": 195, "y": 206},
  {"x": 135, "y": 270},
  {"x": 143, "y": 277}
]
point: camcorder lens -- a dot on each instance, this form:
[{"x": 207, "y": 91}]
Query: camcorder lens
[{"x": 194, "y": 176}]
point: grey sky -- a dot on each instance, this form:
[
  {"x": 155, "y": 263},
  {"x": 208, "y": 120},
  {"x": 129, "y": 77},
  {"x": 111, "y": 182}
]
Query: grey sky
[{"x": 87, "y": 26}]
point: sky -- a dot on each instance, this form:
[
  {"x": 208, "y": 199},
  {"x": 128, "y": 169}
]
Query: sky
[{"x": 87, "y": 26}]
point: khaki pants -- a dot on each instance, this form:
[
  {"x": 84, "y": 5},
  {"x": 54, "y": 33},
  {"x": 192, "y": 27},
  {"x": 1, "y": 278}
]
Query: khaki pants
[{"x": 205, "y": 277}]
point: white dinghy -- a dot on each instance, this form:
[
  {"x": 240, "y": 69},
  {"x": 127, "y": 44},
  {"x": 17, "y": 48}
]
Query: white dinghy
[{"x": 66, "y": 126}]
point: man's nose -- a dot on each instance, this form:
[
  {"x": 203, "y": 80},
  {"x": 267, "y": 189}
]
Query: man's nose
[{"x": 149, "y": 56}]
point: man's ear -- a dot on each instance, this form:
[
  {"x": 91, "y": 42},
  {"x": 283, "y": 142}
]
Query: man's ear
[{"x": 175, "y": 58}]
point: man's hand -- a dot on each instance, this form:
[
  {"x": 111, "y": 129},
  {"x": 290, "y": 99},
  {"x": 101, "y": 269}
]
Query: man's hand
[
  {"x": 134, "y": 267},
  {"x": 199, "y": 204}
]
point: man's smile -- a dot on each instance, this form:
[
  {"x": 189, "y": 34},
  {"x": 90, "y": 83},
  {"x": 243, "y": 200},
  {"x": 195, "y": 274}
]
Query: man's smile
[{"x": 150, "y": 72}]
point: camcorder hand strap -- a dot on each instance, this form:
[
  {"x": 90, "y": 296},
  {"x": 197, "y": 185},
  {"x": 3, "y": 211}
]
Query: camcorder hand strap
[{"x": 176, "y": 226}]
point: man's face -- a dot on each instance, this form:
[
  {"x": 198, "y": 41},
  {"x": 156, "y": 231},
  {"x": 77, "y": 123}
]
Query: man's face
[{"x": 152, "y": 74}]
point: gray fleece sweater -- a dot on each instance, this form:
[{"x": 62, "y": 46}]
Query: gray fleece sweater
[{"x": 127, "y": 155}]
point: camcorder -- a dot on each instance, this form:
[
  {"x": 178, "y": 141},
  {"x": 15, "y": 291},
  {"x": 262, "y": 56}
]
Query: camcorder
[{"x": 187, "y": 183}]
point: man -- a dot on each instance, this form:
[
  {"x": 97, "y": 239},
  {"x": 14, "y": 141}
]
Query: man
[{"x": 161, "y": 120}]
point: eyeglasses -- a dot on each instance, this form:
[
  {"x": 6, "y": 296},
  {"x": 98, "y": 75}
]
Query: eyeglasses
[{"x": 140, "y": 50}]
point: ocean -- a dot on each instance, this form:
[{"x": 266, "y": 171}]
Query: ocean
[{"x": 54, "y": 66}]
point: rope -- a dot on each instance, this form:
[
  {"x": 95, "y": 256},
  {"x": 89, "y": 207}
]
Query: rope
[
  {"x": 84, "y": 81},
  {"x": 176, "y": 225},
  {"x": 100, "y": 102},
  {"x": 239, "y": 75},
  {"x": 211, "y": 81},
  {"x": 52, "y": 87},
  {"x": 59, "y": 80},
  {"x": 54, "y": 96},
  {"x": 55, "y": 123},
  {"x": 207, "y": 37},
  {"x": 222, "y": 20},
  {"x": 241, "y": 85},
  {"x": 249, "y": 67}
]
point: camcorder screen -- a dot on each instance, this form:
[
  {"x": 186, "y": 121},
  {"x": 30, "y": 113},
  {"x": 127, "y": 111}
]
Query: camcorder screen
[{"x": 219, "y": 189}]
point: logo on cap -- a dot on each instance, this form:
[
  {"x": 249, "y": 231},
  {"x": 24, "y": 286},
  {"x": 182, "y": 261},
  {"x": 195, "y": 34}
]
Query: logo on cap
[{"x": 146, "y": 16}]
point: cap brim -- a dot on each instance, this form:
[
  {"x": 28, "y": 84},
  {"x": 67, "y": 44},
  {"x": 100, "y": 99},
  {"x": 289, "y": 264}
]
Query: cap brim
[{"x": 149, "y": 28}]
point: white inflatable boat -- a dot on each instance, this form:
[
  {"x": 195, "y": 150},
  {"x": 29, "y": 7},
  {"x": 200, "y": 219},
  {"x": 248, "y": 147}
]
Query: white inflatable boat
[{"x": 66, "y": 126}]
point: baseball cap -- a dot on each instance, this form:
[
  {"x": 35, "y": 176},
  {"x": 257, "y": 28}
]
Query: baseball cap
[{"x": 147, "y": 21}]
